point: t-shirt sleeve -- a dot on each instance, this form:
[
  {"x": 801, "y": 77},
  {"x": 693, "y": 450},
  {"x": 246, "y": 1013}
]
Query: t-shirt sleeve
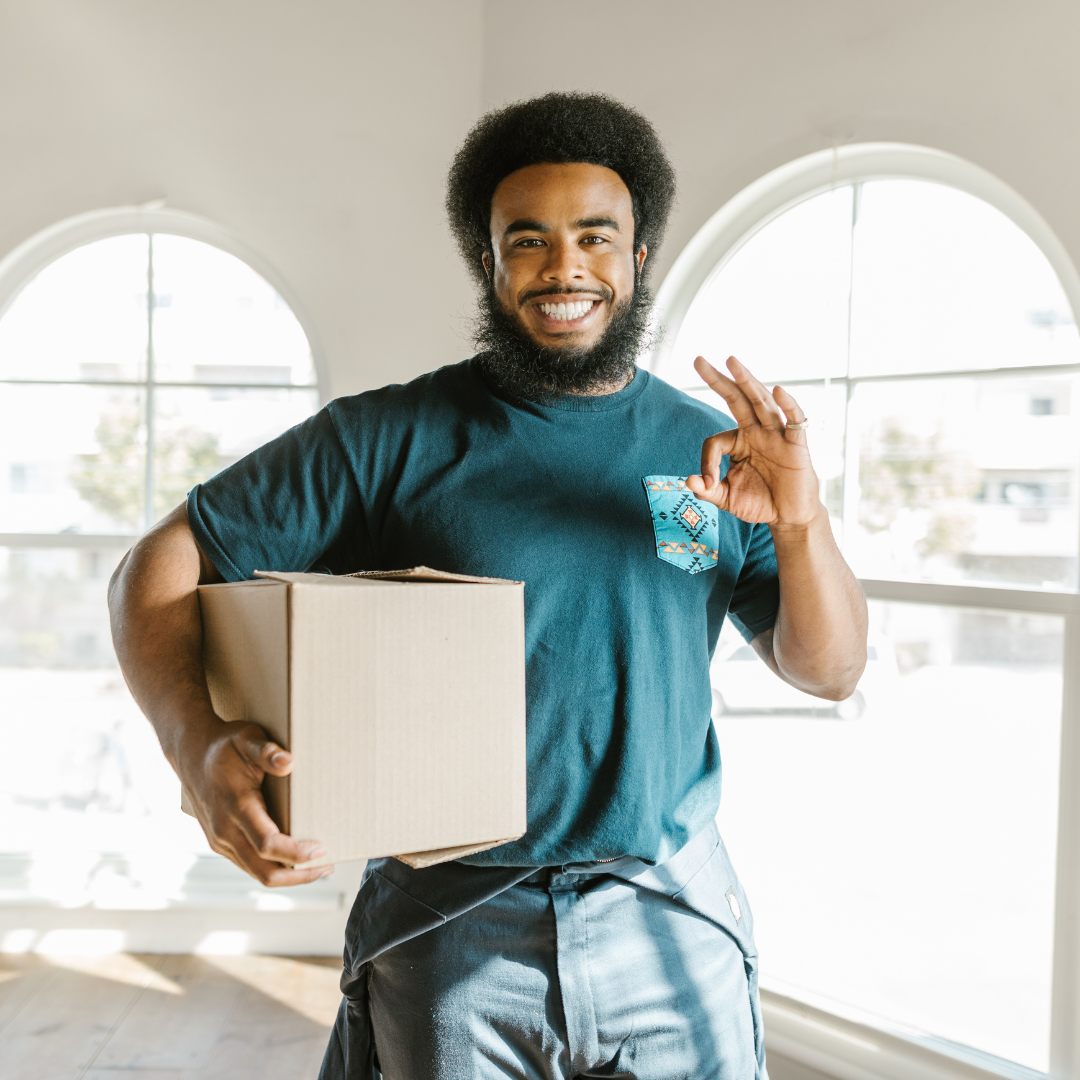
[
  {"x": 756, "y": 598},
  {"x": 293, "y": 504}
]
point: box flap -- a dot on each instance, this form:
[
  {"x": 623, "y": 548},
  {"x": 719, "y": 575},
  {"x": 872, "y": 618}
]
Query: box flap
[
  {"x": 425, "y": 573},
  {"x": 419, "y": 859},
  {"x": 375, "y": 577},
  {"x": 288, "y": 577}
]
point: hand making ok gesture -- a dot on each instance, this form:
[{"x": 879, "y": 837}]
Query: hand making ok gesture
[{"x": 770, "y": 478}]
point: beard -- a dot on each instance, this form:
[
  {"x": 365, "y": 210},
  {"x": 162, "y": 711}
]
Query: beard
[{"x": 522, "y": 368}]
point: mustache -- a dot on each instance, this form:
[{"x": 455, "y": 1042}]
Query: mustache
[{"x": 556, "y": 290}]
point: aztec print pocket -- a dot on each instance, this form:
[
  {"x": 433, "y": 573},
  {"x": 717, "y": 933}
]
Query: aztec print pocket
[{"x": 687, "y": 531}]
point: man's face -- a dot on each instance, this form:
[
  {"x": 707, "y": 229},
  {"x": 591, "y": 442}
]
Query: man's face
[{"x": 564, "y": 259}]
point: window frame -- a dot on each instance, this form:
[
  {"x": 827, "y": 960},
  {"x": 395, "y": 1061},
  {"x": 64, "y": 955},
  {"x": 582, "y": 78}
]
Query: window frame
[
  {"x": 20, "y": 266},
  {"x": 816, "y": 1038},
  {"x": 266, "y": 920}
]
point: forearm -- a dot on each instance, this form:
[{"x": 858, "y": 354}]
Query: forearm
[
  {"x": 819, "y": 641},
  {"x": 157, "y": 632}
]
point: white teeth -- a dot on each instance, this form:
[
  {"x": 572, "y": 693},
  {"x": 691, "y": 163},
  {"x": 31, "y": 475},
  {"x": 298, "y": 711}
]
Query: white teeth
[{"x": 567, "y": 312}]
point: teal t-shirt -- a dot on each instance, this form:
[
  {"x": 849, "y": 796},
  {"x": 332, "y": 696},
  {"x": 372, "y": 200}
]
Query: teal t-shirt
[{"x": 627, "y": 577}]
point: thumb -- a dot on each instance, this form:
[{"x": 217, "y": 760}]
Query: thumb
[
  {"x": 718, "y": 494},
  {"x": 713, "y": 450},
  {"x": 252, "y": 744}
]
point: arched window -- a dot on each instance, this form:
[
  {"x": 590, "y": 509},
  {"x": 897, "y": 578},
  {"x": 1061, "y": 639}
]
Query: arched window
[
  {"x": 131, "y": 368},
  {"x": 903, "y": 850}
]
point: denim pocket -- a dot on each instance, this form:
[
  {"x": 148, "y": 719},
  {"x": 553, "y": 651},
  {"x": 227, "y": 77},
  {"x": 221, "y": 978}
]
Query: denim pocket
[{"x": 687, "y": 531}]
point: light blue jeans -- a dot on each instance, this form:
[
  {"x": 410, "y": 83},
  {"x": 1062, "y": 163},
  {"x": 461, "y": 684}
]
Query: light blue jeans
[{"x": 644, "y": 972}]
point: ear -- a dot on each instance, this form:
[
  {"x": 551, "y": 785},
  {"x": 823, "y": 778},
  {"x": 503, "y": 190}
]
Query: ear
[
  {"x": 485, "y": 259},
  {"x": 639, "y": 258}
]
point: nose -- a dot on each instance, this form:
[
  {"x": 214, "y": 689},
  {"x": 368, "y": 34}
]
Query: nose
[{"x": 564, "y": 263}]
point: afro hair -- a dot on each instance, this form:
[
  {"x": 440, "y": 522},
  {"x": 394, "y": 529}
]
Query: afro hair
[{"x": 558, "y": 128}]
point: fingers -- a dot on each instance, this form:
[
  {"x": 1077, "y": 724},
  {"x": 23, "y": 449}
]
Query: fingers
[
  {"x": 253, "y": 745},
  {"x": 713, "y": 450},
  {"x": 765, "y": 408},
  {"x": 266, "y": 839},
  {"x": 749, "y": 401},
  {"x": 249, "y": 810},
  {"x": 234, "y": 814},
  {"x": 736, "y": 400},
  {"x": 792, "y": 409},
  {"x": 718, "y": 494},
  {"x": 236, "y": 848},
  {"x": 708, "y": 485},
  {"x": 793, "y": 412}
]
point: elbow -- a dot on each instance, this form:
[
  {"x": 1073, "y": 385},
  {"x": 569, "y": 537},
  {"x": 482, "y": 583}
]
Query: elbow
[
  {"x": 842, "y": 685},
  {"x": 832, "y": 684},
  {"x": 838, "y": 692}
]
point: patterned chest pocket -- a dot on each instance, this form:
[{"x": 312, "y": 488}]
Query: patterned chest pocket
[{"x": 687, "y": 531}]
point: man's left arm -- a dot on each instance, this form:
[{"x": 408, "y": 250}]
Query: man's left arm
[{"x": 818, "y": 642}]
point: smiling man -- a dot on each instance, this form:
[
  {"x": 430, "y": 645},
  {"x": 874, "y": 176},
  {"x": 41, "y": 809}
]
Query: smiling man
[
  {"x": 613, "y": 938},
  {"x": 563, "y": 272}
]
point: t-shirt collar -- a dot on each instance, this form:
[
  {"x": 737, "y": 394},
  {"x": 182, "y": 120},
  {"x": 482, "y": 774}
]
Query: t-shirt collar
[{"x": 583, "y": 403}]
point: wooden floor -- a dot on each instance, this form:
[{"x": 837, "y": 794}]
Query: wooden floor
[{"x": 128, "y": 1017}]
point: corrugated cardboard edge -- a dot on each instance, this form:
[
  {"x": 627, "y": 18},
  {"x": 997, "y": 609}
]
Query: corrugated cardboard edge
[{"x": 416, "y": 859}]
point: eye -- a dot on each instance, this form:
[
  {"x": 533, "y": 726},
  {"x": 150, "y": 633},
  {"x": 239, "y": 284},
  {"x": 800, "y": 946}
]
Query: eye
[
  {"x": 530, "y": 241},
  {"x": 594, "y": 240}
]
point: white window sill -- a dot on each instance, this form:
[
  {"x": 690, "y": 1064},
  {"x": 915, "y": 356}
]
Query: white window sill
[{"x": 849, "y": 1050}]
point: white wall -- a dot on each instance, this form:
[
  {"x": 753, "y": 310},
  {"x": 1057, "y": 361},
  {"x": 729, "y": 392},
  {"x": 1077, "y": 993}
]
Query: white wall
[
  {"x": 739, "y": 87},
  {"x": 319, "y": 132}
]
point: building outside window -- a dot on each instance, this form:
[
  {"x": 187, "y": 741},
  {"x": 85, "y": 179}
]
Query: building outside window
[{"x": 901, "y": 849}]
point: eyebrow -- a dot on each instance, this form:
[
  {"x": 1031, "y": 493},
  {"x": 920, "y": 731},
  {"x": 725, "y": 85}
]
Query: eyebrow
[
  {"x": 526, "y": 225},
  {"x": 597, "y": 223},
  {"x": 531, "y": 225}
]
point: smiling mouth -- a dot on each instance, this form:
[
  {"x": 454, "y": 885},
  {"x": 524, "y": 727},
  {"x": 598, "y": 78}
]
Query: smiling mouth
[{"x": 567, "y": 312}]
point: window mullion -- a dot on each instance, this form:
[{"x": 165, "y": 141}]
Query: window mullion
[
  {"x": 149, "y": 486},
  {"x": 94, "y": 541},
  {"x": 850, "y": 484},
  {"x": 1065, "y": 992},
  {"x": 1065, "y": 995}
]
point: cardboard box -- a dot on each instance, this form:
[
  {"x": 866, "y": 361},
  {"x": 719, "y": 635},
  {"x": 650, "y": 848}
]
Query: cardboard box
[{"x": 400, "y": 695}]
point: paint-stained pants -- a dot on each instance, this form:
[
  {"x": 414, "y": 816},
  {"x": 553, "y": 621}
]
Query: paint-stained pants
[{"x": 565, "y": 974}]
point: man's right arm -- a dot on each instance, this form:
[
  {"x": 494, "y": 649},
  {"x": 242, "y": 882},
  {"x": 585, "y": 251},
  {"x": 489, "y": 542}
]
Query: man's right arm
[{"x": 157, "y": 632}]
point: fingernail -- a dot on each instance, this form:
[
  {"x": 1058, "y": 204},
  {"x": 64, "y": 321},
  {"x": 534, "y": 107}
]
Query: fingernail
[
  {"x": 326, "y": 871},
  {"x": 316, "y": 852},
  {"x": 280, "y": 759}
]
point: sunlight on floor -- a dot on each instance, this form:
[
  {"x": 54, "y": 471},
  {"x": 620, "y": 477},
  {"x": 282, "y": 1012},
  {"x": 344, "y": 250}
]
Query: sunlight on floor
[{"x": 134, "y": 1017}]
